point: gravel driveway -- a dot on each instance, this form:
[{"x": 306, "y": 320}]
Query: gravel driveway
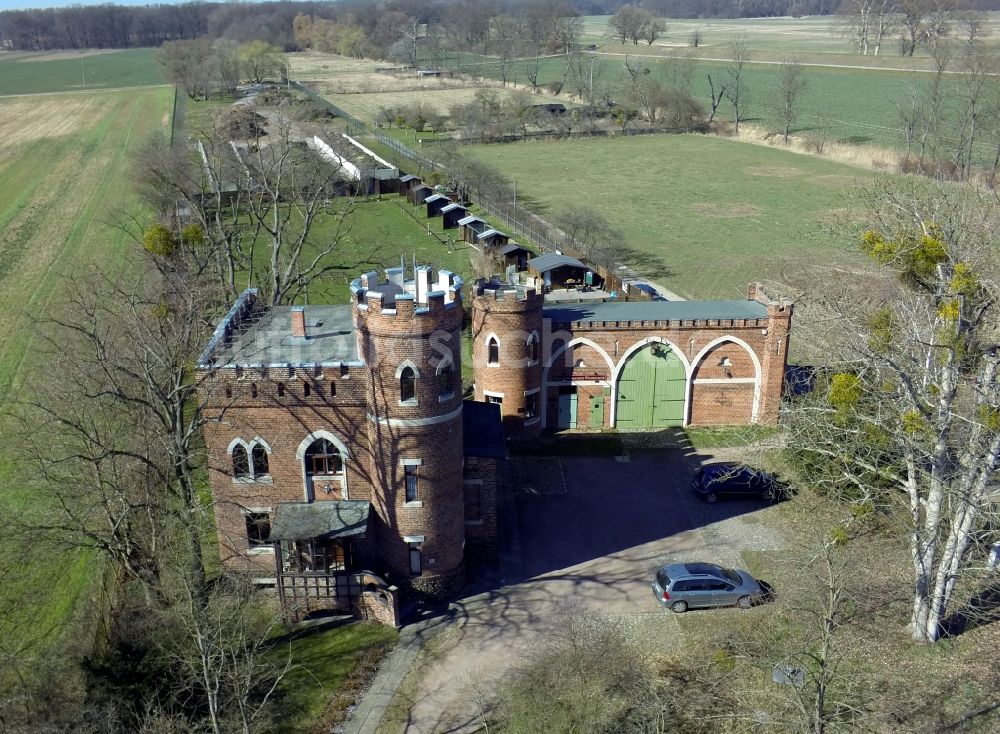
[{"x": 590, "y": 533}]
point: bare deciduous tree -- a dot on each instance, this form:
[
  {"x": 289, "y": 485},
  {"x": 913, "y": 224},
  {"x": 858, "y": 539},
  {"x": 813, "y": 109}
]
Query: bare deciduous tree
[
  {"x": 222, "y": 643},
  {"x": 267, "y": 208},
  {"x": 791, "y": 84},
  {"x": 736, "y": 91},
  {"x": 117, "y": 437},
  {"x": 910, "y": 415}
]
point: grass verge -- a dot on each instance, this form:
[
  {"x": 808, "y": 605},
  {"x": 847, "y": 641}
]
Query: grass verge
[{"x": 332, "y": 663}]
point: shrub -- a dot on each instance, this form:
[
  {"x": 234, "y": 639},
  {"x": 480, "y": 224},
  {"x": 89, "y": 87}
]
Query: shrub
[{"x": 159, "y": 241}]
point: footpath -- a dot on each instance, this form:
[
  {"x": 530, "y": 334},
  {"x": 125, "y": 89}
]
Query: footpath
[{"x": 367, "y": 715}]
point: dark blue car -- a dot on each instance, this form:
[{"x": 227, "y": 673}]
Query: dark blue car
[{"x": 727, "y": 479}]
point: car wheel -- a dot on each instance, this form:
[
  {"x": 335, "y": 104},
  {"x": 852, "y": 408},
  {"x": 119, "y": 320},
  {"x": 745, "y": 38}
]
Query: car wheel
[
  {"x": 679, "y": 607},
  {"x": 711, "y": 497},
  {"x": 744, "y": 602}
]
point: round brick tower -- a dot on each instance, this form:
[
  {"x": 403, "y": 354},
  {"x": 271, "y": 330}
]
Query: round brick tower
[
  {"x": 409, "y": 335},
  {"x": 507, "y": 354}
]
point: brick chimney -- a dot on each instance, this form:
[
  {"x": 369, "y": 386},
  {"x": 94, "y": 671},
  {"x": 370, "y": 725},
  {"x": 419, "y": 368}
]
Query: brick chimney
[{"x": 298, "y": 321}]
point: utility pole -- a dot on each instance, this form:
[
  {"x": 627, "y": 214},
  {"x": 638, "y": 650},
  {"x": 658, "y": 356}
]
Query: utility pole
[{"x": 83, "y": 70}]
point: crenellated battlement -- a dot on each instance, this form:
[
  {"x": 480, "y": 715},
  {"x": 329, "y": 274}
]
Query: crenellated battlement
[
  {"x": 403, "y": 296},
  {"x": 507, "y": 296}
]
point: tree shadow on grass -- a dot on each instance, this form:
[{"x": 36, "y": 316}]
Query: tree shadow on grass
[
  {"x": 644, "y": 261},
  {"x": 981, "y": 609}
]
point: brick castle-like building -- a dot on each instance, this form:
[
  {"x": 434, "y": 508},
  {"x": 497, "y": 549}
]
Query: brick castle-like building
[{"x": 345, "y": 462}]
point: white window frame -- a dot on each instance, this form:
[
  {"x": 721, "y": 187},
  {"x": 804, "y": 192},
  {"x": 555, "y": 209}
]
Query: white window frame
[
  {"x": 410, "y": 402},
  {"x": 411, "y": 462},
  {"x": 533, "y": 338},
  {"x": 251, "y": 477},
  {"x": 258, "y": 550},
  {"x": 492, "y": 337},
  {"x": 446, "y": 363}
]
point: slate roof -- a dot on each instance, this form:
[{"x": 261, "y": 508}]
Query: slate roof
[
  {"x": 482, "y": 430},
  {"x": 268, "y": 341},
  {"x": 323, "y": 519},
  {"x": 551, "y": 261},
  {"x": 655, "y": 311},
  {"x": 408, "y": 177}
]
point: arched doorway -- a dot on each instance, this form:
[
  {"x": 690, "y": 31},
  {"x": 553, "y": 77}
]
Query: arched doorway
[{"x": 651, "y": 389}]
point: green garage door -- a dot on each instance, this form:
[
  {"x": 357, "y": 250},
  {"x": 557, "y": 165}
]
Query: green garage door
[{"x": 651, "y": 389}]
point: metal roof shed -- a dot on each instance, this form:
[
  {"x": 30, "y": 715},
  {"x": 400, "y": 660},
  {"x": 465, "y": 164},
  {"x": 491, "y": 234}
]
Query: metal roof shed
[
  {"x": 551, "y": 261},
  {"x": 453, "y": 214},
  {"x": 436, "y": 203}
]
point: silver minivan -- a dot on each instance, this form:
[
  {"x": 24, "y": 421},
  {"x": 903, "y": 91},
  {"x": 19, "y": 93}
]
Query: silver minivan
[{"x": 683, "y": 586}]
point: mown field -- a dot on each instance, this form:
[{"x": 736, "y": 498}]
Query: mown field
[
  {"x": 63, "y": 181},
  {"x": 707, "y": 214},
  {"x": 817, "y": 36},
  {"x": 69, "y": 71}
]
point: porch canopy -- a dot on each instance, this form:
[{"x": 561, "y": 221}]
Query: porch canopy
[{"x": 320, "y": 520}]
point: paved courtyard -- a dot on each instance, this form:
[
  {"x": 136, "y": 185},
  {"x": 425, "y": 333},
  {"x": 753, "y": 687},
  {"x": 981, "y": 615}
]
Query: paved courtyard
[{"x": 590, "y": 533}]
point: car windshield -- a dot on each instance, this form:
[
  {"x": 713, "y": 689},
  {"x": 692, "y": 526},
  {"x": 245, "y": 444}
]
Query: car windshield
[
  {"x": 731, "y": 575},
  {"x": 662, "y": 578}
]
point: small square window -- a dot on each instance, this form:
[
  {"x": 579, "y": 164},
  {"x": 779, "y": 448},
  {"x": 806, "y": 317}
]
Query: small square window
[
  {"x": 495, "y": 399},
  {"x": 281, "y": 389},
  {"x": 258, "y": 529}
]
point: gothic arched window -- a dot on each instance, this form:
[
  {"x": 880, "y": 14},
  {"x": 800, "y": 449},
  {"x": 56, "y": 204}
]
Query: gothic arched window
[
  {"x": 323, "y": 458},
  {"x": 241, "y": 463},
  {"x": 258, "y": 456},
  {"x": 407, "y": 384}
]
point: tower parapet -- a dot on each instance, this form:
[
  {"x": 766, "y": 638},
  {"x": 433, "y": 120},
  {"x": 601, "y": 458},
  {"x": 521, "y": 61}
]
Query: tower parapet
[
  {"x": 507, "y": 353},
  {"x": 775, "y": 352}
]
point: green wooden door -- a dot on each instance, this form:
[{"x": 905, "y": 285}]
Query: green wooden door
[
  {"x": 651, "y": 389},
  {"x": 597, "y": 411}
]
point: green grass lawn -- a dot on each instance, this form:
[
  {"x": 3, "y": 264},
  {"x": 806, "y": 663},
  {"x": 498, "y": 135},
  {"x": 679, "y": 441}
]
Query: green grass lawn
[
  {"x": 61, "y": 188},
  {"x": 378, "y": 234},
  {"x": 66, "y": 72},
  {"x": 329, "y": 664},
  {"x": 707, "y": 215}
]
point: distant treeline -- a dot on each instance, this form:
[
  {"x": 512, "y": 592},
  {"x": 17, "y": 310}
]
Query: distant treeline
[{"x": 119, "y": 26}]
